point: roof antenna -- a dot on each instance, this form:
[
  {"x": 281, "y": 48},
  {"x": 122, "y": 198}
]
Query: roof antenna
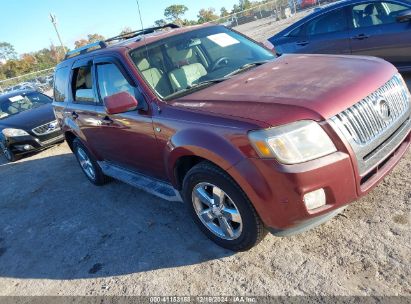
[{"x": 145, "y": 43}]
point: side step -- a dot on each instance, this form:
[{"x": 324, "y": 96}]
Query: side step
[{"x": 153, "y": 186}]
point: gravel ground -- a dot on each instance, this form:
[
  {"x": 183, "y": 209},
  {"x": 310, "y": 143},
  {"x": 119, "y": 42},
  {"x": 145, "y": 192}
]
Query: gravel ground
[{"x": 60, "y": 235}]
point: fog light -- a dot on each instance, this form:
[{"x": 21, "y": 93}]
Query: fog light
[
  {"x": 315, "y": 199},
  {"x": 28, "y": 147}
]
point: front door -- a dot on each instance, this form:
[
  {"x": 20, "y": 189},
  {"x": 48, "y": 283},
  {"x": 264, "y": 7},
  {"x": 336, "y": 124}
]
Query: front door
[
  {"x": 376, "y": 32},
  {"x": 126, "y": 139}
]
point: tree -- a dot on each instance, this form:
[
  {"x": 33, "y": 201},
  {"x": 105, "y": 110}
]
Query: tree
[
  {"x": 90, "y": 39},
  {"x": 160, "y": 22},
  {"x": 126, "y": 30},
  {"x": 80, "y": 43},
  {"x": 245, "y": 4},
  {"x": 224, "y": 12},
  {"x": 206, "y": 15},
  {"x": 95, "y": 37},
  {"x": 7, "y": 51},
  {"x": 175, "y": 12}
]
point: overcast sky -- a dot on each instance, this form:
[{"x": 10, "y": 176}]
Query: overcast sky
[{"x": 26, "y": 23}]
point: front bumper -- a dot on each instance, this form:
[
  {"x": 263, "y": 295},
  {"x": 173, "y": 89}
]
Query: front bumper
[
  {"x": 277, "y": 190},
  {"x": 30, "y": 143}
]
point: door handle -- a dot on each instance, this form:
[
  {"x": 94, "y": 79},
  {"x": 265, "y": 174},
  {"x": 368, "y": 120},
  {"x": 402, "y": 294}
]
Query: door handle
[
  {"x": 106, "y": 121},
  {"x": 302, "y": 43},
  {"x": 74, "y": 115},
  {"x": 360, "y": 37}
]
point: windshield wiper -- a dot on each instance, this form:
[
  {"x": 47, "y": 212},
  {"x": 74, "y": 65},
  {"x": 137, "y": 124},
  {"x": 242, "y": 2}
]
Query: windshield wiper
[{"x": 246, "y": 66}]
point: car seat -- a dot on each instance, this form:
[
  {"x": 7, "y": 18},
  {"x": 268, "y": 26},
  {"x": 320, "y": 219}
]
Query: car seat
[
  {"x": 185, "y": 74},
  {"x": 154, "y": 76}
]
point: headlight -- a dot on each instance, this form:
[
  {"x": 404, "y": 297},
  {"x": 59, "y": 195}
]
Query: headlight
[
  {"x": 293, "y": 143},
  {"x": 10, "y": 132}
]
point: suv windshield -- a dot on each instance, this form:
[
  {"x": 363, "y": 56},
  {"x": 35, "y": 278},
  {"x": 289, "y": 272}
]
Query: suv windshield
[
  {"x": 182, "y": 63},
  {"x": 14, "y": 104}
]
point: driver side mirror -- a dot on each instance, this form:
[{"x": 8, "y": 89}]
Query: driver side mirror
[
  {"x": 404, "y": 16},
  {"x": 120, "y": 102}
]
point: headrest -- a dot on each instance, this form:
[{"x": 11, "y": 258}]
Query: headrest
[
  {"x": 88, "y": 81},
  {"x": 369, "y": 9},
  {"x": 143, "y": 64},
  {"x": 179, "y": 55}
]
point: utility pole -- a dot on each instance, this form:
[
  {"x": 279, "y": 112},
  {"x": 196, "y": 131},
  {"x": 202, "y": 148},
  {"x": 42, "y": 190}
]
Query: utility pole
[{"x": 53, "y": 20}]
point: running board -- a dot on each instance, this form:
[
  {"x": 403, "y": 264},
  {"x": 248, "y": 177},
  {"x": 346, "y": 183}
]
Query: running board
[{"x": 153, "y": 186}]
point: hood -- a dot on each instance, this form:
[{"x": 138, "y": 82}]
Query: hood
[
  {"x": 293, "y": 87},
  {"x": 29, "y": 119}
]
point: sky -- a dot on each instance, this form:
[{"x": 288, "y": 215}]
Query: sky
[{"x": 26, "y": 23}]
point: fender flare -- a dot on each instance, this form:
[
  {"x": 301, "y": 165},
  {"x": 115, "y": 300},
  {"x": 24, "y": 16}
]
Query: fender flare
[{"x": 200, "y": 143}]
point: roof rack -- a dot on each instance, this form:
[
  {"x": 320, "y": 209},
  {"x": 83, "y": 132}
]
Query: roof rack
[
  {"x": 86, "y": 48},
  {"x": 103, "y": 44},
  {"x": 141, "y": 32}
]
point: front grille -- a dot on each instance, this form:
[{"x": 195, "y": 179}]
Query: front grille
[
  {"x": 367, "y": 119},
  {"x": 376, "y": 125},
  {"x": 47, "y": 128}
]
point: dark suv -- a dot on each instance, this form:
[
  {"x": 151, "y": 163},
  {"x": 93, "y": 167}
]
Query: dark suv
[{"x": 251, "y": 142}]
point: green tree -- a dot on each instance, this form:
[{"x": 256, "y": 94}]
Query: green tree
[
  {"x": 175, "y": 12},
  {"x": 206, "y": 15},
  {"x": 7, "y": 51},
  {"x": 160, "y": 22},
  {"x": 245, "y": 4},
  {"x": 224, "y": 12}
]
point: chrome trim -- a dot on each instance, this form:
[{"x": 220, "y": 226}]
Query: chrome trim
[
  {"x": 371, "y": 135},
  {"x": 49, "y": 130}
]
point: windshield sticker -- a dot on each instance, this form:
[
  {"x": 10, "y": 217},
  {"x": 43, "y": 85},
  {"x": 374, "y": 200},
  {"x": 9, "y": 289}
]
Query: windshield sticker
[
  {"x": 16, "y": 98},
  {"x": 223, "y": 39}
]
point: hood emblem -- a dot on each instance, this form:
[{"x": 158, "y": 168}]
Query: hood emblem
[{"x": 383, "y": 108}]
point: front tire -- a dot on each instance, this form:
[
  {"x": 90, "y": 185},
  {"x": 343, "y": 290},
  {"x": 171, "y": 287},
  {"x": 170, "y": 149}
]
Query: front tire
[
  {"x": 88, "y": 164},
  {"x": 8, "y": 154},
  {"x": 221, "y": 209}
]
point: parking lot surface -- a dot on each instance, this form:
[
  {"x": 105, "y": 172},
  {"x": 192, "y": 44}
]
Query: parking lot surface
[{"x": 61, "y": 235}]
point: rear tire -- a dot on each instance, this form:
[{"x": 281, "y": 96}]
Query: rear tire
[
  {"x": 88, "y": 164},
  {"x": 221, "y": 209}
]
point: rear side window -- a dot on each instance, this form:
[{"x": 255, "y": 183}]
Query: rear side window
[
  {"x": 331, "y": 22},
  {"x": 60, "y": 84},
  {"x": 82, "y": 84},
  {"x": 111, "y": 81}
]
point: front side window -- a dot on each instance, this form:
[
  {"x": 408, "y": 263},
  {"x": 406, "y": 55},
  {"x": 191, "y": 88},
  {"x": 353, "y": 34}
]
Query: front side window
[
  {"x": 112, "y": 81},
  {"x": 331, "y": 22},
  {"x": 190, "y": 61},
  {"x": 376, "y": 13},
  {"x": 21, "y": 102},
  {"x": 82, "y": 84}
]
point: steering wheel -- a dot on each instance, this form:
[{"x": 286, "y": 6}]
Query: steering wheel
[{"x": 218, "y": 63}]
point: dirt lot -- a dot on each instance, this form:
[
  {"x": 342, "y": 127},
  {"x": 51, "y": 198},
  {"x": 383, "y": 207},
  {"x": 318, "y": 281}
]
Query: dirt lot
[{"x": 60, "y": 235}]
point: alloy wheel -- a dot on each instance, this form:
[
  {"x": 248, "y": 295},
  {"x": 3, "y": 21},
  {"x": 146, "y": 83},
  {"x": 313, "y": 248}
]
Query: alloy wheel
[
  {"x": 86, "y": 163},
  {"x": 217, "y": 211}
]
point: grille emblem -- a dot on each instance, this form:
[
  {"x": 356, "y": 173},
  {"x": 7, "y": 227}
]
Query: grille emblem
[
  {"x": 383, "y": 108},
  {"x": 52, "y": 126}
]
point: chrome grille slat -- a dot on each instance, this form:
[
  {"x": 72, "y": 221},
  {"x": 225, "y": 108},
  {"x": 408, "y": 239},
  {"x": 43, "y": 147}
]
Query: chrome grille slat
[
  {"x": 47, "y": 128},
  {"x": 364, "y": 122}
]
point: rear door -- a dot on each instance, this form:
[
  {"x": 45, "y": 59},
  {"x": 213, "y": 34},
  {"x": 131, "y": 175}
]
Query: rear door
[
  {"x": 326, "y": 34},
  {"x": 125, "y": 139},
  {"x": 375, "y": 32}
]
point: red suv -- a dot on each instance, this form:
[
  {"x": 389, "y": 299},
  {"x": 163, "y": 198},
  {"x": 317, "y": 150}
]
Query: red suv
[{"x": 251, "y": 142}]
